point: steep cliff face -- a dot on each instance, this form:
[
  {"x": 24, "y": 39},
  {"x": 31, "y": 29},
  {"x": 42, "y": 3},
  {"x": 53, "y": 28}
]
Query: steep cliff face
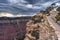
[
  {"x": 38, "y": 28},
  {"x": 13, "y": 27}
]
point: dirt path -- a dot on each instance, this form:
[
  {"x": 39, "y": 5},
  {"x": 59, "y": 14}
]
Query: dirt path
[{"x": 55, "y": 25}]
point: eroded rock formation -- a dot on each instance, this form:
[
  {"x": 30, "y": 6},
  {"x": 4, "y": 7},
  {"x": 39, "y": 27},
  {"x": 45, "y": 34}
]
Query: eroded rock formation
[{"x": 38, "y": 28}]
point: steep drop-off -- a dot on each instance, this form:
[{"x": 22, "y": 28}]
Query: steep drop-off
[{"x": 12, "y": 27}]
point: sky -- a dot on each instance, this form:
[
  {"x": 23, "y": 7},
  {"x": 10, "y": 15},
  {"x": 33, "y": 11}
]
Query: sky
[{"x": 25, "y": 7}]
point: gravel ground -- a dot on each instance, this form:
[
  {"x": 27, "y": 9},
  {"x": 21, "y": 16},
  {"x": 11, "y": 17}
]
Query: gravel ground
[{"x": 58, "y": 35}]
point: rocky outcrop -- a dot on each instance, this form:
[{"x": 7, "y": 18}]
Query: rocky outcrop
[{"x": 38, "y": 28}]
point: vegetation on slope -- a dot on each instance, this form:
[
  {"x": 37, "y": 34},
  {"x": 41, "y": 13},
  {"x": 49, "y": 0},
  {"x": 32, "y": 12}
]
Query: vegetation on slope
[
  {"x": 37, "y": 19},
  {"x": 58, "y": 16}
]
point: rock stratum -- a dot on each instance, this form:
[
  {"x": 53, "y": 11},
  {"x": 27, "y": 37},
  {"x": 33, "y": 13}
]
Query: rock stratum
[
  {"x": 12, "y": 28},
  {"x": 38, "y": 28}
]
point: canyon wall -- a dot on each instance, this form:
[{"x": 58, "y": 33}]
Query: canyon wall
[{"x": 12, "y": 27}]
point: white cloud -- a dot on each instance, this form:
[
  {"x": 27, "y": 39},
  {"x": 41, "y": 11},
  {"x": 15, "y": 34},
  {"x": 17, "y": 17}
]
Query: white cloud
[
  {"x": 12, "y": 1},
  {"x": 4, "y": 14},
  {"x": 20, "y": 3},
  {"x": 23, "y": 1},
  {"x": 38, "y": 6},
  {"x": 29, "y": 6},
  {"x": 20, "y": 15},
  {"x": 58, "y": 4},
  {"x": 16, "y": 1}
]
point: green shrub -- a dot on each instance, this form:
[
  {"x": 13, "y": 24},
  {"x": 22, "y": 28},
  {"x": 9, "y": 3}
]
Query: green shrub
[
  {"x": 58, "y": 17},
  {"x": 36, "y": 19}
]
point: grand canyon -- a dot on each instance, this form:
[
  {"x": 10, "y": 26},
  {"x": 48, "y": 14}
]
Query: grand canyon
[{"x": 11, "y": 27}]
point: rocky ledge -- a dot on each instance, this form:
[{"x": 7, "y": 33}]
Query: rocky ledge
[{"x": 38, "y": 28}]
